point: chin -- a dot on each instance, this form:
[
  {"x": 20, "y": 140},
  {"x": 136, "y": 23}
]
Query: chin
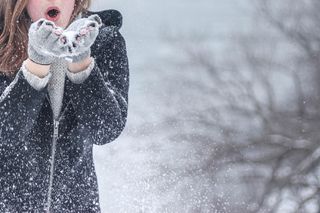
[{"x": 61, "y": 24}]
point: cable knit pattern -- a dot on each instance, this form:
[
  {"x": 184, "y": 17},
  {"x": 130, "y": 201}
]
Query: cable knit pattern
[{"x": 56, "y": 85}]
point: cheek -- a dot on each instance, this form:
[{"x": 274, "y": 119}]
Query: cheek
[
  {"x": 34, "y": 9},
  {"x": 69, "y": 5},
  {"x": 67, "y": 11}
]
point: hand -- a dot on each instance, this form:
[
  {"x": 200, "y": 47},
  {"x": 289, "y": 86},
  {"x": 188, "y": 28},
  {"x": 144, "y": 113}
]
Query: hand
[
  {"x": 45, "y": 43},
  {"x": 79, "y": 37}
]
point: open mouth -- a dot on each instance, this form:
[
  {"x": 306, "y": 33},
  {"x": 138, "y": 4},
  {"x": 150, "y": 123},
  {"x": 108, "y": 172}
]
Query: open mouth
[{"x": 52, "y": 13}]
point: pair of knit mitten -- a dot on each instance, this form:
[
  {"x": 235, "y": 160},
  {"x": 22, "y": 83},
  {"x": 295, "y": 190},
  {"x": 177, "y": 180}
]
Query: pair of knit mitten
[{"x": 48, "y": 42}]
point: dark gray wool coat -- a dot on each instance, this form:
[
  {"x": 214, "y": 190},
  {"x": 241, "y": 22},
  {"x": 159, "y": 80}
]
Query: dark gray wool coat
[{"x": 93, "y": 112}]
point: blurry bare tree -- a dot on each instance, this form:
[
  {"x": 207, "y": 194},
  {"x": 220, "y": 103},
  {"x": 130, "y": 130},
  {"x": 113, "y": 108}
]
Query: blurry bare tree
[{"x": 257, "y": 109}]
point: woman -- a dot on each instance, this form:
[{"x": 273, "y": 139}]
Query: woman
[{"x": 64, "y": 87}]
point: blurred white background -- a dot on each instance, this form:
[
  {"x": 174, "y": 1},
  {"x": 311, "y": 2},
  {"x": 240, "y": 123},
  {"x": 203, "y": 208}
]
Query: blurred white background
[
  {"x": 130, "y": 170},
  {"x": 223, "y": 108}
]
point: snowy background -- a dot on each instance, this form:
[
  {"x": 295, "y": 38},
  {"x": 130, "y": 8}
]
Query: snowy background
[
  {"x": 143, "y": 170},
  {"x": 223, "y": 108},
  {"x": 133, "y": 172}
]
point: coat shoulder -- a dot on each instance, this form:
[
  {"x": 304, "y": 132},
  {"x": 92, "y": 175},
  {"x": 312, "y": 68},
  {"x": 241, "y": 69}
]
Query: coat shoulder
[{"x": 111, "y": 18}]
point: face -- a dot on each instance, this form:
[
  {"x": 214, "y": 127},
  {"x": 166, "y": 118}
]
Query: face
[{"x": 57, "y": 11}]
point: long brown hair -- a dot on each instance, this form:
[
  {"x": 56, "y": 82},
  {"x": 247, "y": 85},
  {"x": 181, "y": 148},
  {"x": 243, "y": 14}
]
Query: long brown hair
[{"x": 14, "y": 25}]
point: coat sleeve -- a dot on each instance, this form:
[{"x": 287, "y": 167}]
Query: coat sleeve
[
  {"x": 101, "y": 100},
  {"x": 20, "y": 104}
]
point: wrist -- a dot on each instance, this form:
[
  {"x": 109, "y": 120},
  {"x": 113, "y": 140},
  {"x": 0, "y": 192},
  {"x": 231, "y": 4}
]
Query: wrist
[
  {"x": 80, "y": 65},
  {"x": 37, "y": 69}
]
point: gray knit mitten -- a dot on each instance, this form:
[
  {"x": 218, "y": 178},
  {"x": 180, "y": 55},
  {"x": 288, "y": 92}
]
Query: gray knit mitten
[
  {"x": 79, "y": 37},
  {"x": 44, "y": 42}
]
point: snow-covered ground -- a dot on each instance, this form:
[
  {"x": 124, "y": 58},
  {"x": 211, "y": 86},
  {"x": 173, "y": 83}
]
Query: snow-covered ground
[{"x": 134, "y": 172}]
